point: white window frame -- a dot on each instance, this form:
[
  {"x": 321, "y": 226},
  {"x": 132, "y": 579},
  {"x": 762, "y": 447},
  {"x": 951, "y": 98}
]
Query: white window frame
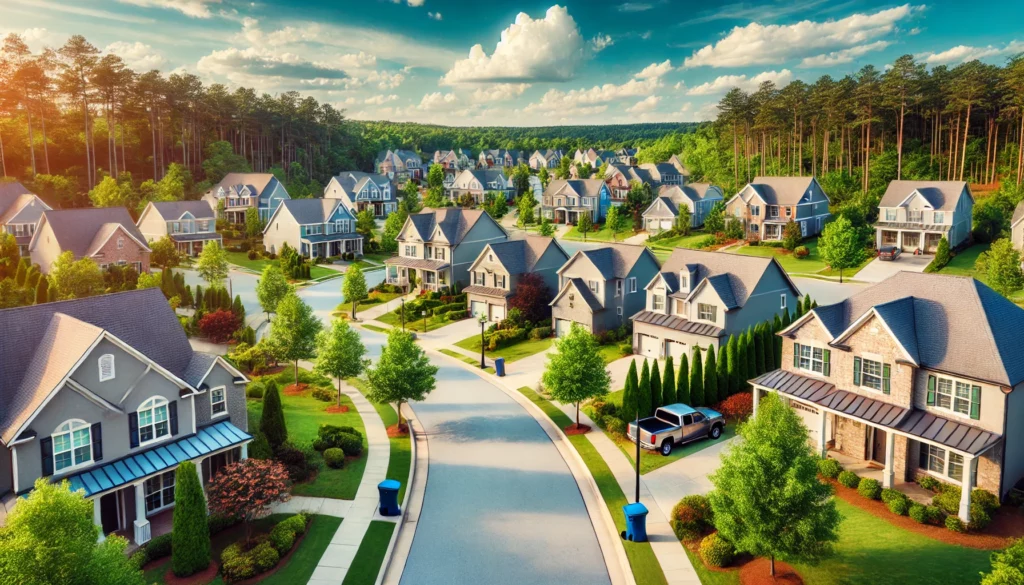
[
  {"x": 73, "y": 426},
  {"x": 783, "y": 302},
  {"x": 106, "y": 362},
  {"x": 222, "y": 402},
  {"x": 813, "y": 357},
  {"x": 632, "y": 284},
  {"x": 938, "y": 217},
  {"x": 864, "y": 375},
  {"x": 755, "y": 211},
  {"x": 890, "y": 215},
  {"x": 152, "y": 405},
  {"x": 918, "y": 216},
  {"x": 164, "y": 490},
  {"x": 618, "y": 311},
  {"x": 957, "y": 392},
  {"x": 618, "y": 288},
  {"x": 658, "y": 302},
  {"x": 594, "y": 286},
  {"x": 712, "y": 309}
]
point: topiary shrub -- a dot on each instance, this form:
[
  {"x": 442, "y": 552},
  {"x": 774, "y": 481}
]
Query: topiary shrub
[
  {"x": 869, "y": 488},
  {"x": 282, "y": 538},
  {"x": 934, "y": 515},
  {"x": 899, "y": 507},
  {"x": 801, "y": 252},
  {"x": 334, "y": 458},
  {"x": 955, "y": 524},
  {"x": 691, "y": 517},
  {"x": 918, "y": 512},
  {"x": 254, "y": 390},
  {"x": 929, "y": 483},
  {"x": 889, "y": 494},
  {"x": 296, "y": 523},
  {"x": 324, "y": 394},
  {"x": 351, "y": 444},
  {"x": 849, "y": 479},
  {"x": 272, "y": 423},
  {"x": 614, "y": 425},
  {"x": 191, "y": 533},
  {"x": 716, "y": 551},
  {"x": 985, "y": 499},
  {"x": 264, "y": 556},
  {"x": 159, "y": 547},
  {"x": 331, "y": 436},
  {"x": 980, "y": 518},
  {"x": 829, "y": 468},
  {"x": 235, "y": 564},
  {"x": 948, "y": 499}
]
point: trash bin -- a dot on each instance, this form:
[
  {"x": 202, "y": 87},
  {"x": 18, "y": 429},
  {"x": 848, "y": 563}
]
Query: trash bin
[
  {"x": 388, "y": 490},
  {"x": 499, "y": 366},
  {"x": 636, "y": 522}
]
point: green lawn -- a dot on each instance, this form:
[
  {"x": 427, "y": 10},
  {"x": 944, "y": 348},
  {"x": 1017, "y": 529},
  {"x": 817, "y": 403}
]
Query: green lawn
[
  {"x": 400, "y": 461},
  {"x": 363, "y": 305},
  {"x": 963, "y": 265},
  {"x": 812, "y": 264},
  {"x": 511, "y": 353},
  {"x": 643, "y": 563},
  {"x": 466, "y": 359},
  {"x": 611, "y": 351},
  {"x": 651, "y": 460},
  {"x": 374, "y": 328},
  {"x": 688, "y": 241},
  {"x": 242, "y": 259},
  {"x": 370, "y": 556},
  {"x": 390, "y": 318},
  {"x": 602, "y": 235}
]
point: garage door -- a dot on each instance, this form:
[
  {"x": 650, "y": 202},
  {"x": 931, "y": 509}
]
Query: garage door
[
  {"x": 478, "y": 308},
  {"x": 666, "y": 224},
  {"x": 649, "y": 346},
  {"x": 811, "y": 419},
  {"x": 497, "y": 312},
  {"x": 677, "y": 351},
  {"x": 562, "y": 327}
]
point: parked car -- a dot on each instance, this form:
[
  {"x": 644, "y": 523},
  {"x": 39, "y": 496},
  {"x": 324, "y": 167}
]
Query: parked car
[
  {"x": 676, "y": 424},
  {"x": 889, "y": 252}
]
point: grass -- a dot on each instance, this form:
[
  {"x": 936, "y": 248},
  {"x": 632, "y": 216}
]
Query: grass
[
  {"x": 390, "y": 318},
  {"x": 602, "y": 235},
  {"x": 242, "y": 259},
  {"x": 688, "y": 241},
  {"x": 651, "y": 460},
  {"x": 363, "y": 305},
  {"x": 400, "y": 461},
  {"x": 642, "y": 561},
  {"x": 374, "y": 328},
  {"x": 611, "y": 352},
  {"x": 370, "y": 556},
  {"x": 812, "y": 264},
  {"x": 468, "y": 360},
  {"x": 963, "y": 265},
  {"x": 511, "y": 353}
]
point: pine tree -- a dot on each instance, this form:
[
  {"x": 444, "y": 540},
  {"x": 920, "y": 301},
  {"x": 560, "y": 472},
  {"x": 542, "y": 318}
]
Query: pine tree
[
  {"x": 190, "y": 538},
  {"x": 41, "y": 290},
  {"x": 787, "y": 319},
  {"x": 697, "y": 379},
  {"x": 742, "y": 374},
  {"x": 644, "y": 392},
  {"x": 657, "y": 400},
  {"x": 732, "y": 348},
  {"x": 758, "y": 352},
  {"x": 683, "y": 381},
  {"x": 769, "y": 347},
  {"x": 19, "y": 276},
  {"x": 51, "y": 293},
  {"x": 628, "y": 410},
  {"x": 668, "y": 383},
  {"x": 710, "y": 378},
  {"x": 723, "y": 372},
  {"x": 272, "y": 423},
  {"x": 199, "y": 300},
  {"x": 777, "y": 326},
  {"x": 808, "y": 304},
  {"x": 751, "y": 355},
  {"x": 238, "y": 309}
]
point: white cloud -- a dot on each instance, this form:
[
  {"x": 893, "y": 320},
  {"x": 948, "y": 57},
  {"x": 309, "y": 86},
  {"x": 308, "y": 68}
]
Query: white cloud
[
  {"x": 380, "y": 99},
  {"x": 37, "y": 38},
  {"x": 724, "y": 83},
  {"x": 635, "y": 7},
  {"x": 601, "y": 42},
  {"x": 645, "y": 105},
  {"x": 434, "y": 15},
  {"x": 964, "y": 53},
  {"x": 193, "y": 8},
  {"x": 758, "y": 44},
  {"x": 680, "y": 85},
  {"x": 655, "y": 70},
  {"x": 557, "y": 100},
  {"x": 436, "y": 101},
  {"x": 499, "y": 92},
  {"x": 546, "y": 49},
  {"x": 138, "y": 56},
  {"x": 416, "y": 2},
  {"x": 843, "y": 56},
  {"x": 247, "y": 66}
]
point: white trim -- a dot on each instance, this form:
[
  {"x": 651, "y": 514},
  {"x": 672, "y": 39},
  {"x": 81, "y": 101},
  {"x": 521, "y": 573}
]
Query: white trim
[
  {"x": 14, "y": 467},
  {"x": 155, "y": 400},
  {"x": 99, "y": 365},
  {"x": 91, "y": 396},
  {"x": 223, "y": 400},
  {"x": 125, "y": 230},
  {"x": 71, "y": 437},
  {"x": 135, "y": 383},
  {"x": 860, "y": 323}
]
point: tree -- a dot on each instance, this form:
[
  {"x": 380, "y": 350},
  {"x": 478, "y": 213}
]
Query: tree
[
  {"x": 410, "y": 199},
  {"x": 271, "y": 288},
  {"x": 526, "y": 204},
  {"x": 840, "y": 246},
  {"x": 668, "y": 383},
  {"x": 247, "y": 489},
  {"x": 628, "y": 411},
  {"x": 294, "y": 330},
  {"x": 710, "y": 377},
  {"x": 75, "y": 279},
  {"x": 221, "y": 160},
  {"x": 495, "y": 204},
  {"x": 365, "y": 224},
  {"x": 520, "y": 178},
  {"x": 353, "y": 289},
  {"x": 403, "y": 372},
  {"x": 10, "y": 255},
  {"x": 643, "y": 392},
  {"x": 584, "y": 224},
  {"x": 615, "y": 221},
  {"x": 1002, "y": 263},
  {"x": 1007, "y": 566},
  {"x": 723, "y": 372},
  {"x": 531, "y": 298},
  {"x": 791, "y": 235},
  {"x": 683, "y": 220},
  {"x": 213, "y": 264},
  {"x": 575, "y": 371},
  {"x": 190, "y": 548},
  {"x": 758, "y": 352},
  {"x": 339, "y": 352},
  {"x": 218, "y": 326},
  {"x": 714, "y": 222},
  {"x": 164, "y": 253},
  {"x": 392, "y": 227},
  {"x": 564, "y": 164},
  {"x": 544, "y": 177},
  {"x": 774, "y": 464},
  {"x": 941, "y": 258},
  {"x": 435, "y": 198},
  {"x": 751, "y": 354},
  {"x": 697, "y": 379},
  {"x": 546, "y": 229},
  {"x": 49, "y": 539},
  {"x": 657, "y": 400},
  {"x": 683, "y": 381},
  {"x": 435, "y": 177},
  {"x": 900, "y": 86},
  {"x": 113, "y": 193},
  {"x": 777, "y": 326},
  {"x": 253, "y": 223}
]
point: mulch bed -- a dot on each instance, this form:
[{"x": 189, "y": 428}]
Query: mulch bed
[
  {"x": 1007, "y": 523},
  {"x": 758, "y": 572},
  {"x": 284, "y": 561},
  {"x": 335, "y": 409},
  {"x": 575, "y": 429},
  {"x": 200, "y": 578},
  {"x": 397, "y": 430},
  {"x": 294, "y": 389}
]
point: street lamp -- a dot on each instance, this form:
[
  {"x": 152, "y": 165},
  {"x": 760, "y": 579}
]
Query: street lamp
[
  {"x": 483, "y": 321},
  {"x": 403, "y": 314},
  {"x": 424, "y": 313}
]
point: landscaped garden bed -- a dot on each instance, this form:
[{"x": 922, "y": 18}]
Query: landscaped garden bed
[
  {"x": 375, "y": 298},
  {"x": 429, "y": 311}
]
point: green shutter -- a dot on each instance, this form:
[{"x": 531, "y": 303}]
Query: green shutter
[
  {"x": 796, "y": 355},
  {"x": 856, "y": 371},
  {"x": 826, "y": 356},
  {"x": 975, "y": 402},
  {"x": 931, "y": 390},
  {"x": 885, "y": 378}
]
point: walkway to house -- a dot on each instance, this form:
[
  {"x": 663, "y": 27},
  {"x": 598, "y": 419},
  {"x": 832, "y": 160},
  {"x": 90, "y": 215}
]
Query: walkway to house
[{"x": 878, "y": 270}]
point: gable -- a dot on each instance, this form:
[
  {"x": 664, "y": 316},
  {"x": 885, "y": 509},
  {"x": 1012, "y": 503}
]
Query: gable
[
  {"x": 582, "y": 266},
  {"x": 409, "y": 231},
  {"x": 484, "y": 228}
]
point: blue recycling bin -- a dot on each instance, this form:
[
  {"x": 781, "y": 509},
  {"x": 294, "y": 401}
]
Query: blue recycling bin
[
  {"x": 636, "y": 522},
  {"x": 388, "y": 490},
  {"x": 499, "y": 366}
]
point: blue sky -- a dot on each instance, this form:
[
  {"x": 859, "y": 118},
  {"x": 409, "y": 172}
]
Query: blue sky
[{"x": 521, "y": 63}]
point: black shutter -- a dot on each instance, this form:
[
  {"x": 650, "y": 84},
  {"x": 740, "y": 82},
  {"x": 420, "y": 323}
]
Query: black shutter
[
  {"x": 46, "y": 449},
  {"x": 97, "y": 442},
  {"x": 133, "y": 429},
  {"x": 931, "y": 390},
  {"x": 172, "y": 413}
]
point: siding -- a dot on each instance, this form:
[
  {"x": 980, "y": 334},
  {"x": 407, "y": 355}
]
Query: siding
[
  {"x": 46, "y": 249},
  {"x": 235, "y": 396},
  {"x": 282, "y": 229},
  {"x": 764, "y": 302},
  {"x": 152, "y": 225},
  {"x": 482, "y": 233}
]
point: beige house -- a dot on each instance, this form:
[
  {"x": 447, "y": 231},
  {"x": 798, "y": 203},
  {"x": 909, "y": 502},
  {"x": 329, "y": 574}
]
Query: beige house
[
  {"x": 662, "y": 213},
  {"x": 20, "y": 211},
  {"x": 917, "y": 375},
  {"x": 189, "y": 224},
  {"x": 496, "y": 272},
  {"x": 914, "y": 215},
  {"x": 479, "y": 182},
  {"x": 107, "y": 235}
]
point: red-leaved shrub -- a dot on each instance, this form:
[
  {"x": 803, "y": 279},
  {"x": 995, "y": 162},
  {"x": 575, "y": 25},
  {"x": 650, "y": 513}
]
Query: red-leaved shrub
[
  {"x": 737, "y": 406},
  {"x": 219, "y": 325}
]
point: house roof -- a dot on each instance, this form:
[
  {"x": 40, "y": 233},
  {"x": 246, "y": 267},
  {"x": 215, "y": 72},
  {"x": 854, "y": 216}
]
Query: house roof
[
  {"x": 585, "y": 293},
  {"x": 307, "y": 211},
  {"x": 12, "y": 205},
  {"x": 172, "y": 210},
  {"x": 941, "y": 195},
  {"x": 454, "y": 222},
  {"x": 353, "y": 181},
  {"x": 520, "y": 256},
  {"x": 671, "y": 196},
  {"x": 581, "y": 187},
  {"x": 257, "y": 182},
  {"x": 631, "y": 173},
  {"x": 733, "y": 276},
  {"x": 948, "y": 311},
  {"x": 781, "y": 190},
  {"x": 82, "y": 230},
  {"x": 614, "y": 260},
  {"x": 678, "y": 323},
  {"x": 659, "y": 170}
]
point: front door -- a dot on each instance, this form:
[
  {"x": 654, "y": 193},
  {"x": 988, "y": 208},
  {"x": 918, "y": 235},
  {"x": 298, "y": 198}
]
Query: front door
[
  {"x": 911, "y": 241},
  {"x": 878, "y": 447},
  {"x": 109, "y": 513}
]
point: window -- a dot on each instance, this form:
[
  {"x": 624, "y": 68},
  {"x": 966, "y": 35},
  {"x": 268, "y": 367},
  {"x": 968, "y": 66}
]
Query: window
[
  {"x": 890, "y": 215},
  {"x": 789, "y": 212},
  {"x": 478, "y": 278},
  {"x": 706, "y": 312},
  {"x": 632, "y": 284},
  {"x": 871, "y": 374},
  {"x": 618, "y": 311},
  {"x": 755, "y": 210},
  {"x": 939, "y": 217},
  {"x": 915, "y": 216},
  {"x": 783, "y": 304},
  {"x": 153, "y": 423},
  {"x": 773, "y": 211},
  {"x": 439, "y": 253},
  {"x": 499, "y": 281},
  {"x": 120, "y": 243},
  {"x": 659, "y": 303},
  {"x": 956, "y": 466},
  {"x": 954, "y": 395},
  {"x": 593, "y": 285},
  {"x": 72, "y": 445},
  {"x": 159, "y": 491},
  {"x": 218, "y": 405},
  {"x": 106, "y": 366},
  {"x": 410, "y": 251},
  {"x": 933, "y": 458},
  {"x": 812, "y": 359},
  {"x": 618, "y": 288}
]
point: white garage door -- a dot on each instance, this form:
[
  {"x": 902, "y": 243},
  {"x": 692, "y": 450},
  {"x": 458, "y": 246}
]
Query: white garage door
[
  {"x": 649, "y": 346},
  {"x": 562, "y": 327},
  {"x": 497, "y": 313},
  {"x": 677, "y": 351},
  {"x": 478, "y": 308},
  {"x": 811, "y": 419},
  {"x": 666, "y": 224}
]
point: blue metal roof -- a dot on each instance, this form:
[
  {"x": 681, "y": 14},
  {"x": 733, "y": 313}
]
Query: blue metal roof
[{"x": 158, "y": 459}]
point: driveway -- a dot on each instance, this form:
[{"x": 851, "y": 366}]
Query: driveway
[
  {"x": 685, "y": 477},
  {"x": 878, "y": 270}
]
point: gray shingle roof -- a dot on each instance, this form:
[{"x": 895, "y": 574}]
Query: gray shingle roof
[
  {"x": 257, "y": 182},
  {"x": 307, "y": 211},
  {"x": 172, "y": 210},
  {"x": 732, "y": 275},
  {"x": 353, "y": 181},
  {"x": 722, "y": 283},
  {"x": 581, "y": 187},
  {"x": 941, "y": 195},
  {"x": 454, "y": 222},
  {"x": 77, "y": 230},
  {"x": 586, "y": 294},
  {"x": 10, "y": 193},
  {"x": 781, "y": 190},
  {"x": 520, "y": 256},
  {"x": 615, "y": 260},
  {"x": 19, "y": 209}
]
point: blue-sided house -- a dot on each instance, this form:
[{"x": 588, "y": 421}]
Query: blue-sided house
[
  {"x": 240, "y": 191},
  {"x": 317, "y": 228}
]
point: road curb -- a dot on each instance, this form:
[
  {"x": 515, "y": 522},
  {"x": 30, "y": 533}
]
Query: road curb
[{"x": 401, "y": 540}]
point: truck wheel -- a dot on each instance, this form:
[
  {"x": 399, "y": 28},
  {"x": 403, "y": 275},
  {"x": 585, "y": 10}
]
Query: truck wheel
[
  {"x": 716, "y": 431},
  {"x": 666, "y": 447}
]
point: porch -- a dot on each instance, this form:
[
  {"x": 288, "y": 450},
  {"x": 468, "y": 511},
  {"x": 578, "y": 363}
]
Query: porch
[
  {"x": 236, "y": 215},
  {"x": 331, "y": 245},
  {"x": 429, "y": 275},
  {"x": 875, "y": 471},
  {"x": 772, "y": 231},
  {"x": 923, "y": 239},
  {"x": 192, "y": 244},
  {"x": 570, "y": 216},
  {"x": 378, "y": 208}
]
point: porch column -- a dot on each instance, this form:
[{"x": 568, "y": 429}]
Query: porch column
[
  {"x": 756, "y": 398},
  {"x": 142, "y": 532},
  {"x": 97, "y": 518},
  {"x": 821, "y": 432},
  {"x": 970, "y": 465},
  {"x": 244, "y": 451},
  {"x": 890, "y": 459},
  {"x": 199, "y": 471}
]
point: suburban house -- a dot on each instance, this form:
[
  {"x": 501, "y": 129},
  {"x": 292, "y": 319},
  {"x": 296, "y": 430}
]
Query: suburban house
[
  {"x": 240, "y": 191},
  {"x": 499, "y": 158},
  {"x": 565, "y": 199},
  {"x": 677, "y": 162},
  {"x": 436, "y": 247},
  {"x": 701, "y": 298},
  {"x": 316, "y": 228},
  {"x": 189, "y": 224},
  {"x": 767, "y": 204},
  {"x": 914, "y": 215},
  {"x": 664, "y": 173},
  {"x": 1017, "y": 227},
  {"x": 626, "y": 156},
  {"x": 399, "y": 165},
  {"x": 699, "y": 198},
  {"x": 106, "y": 234},
  {"x": 601, "y": 288},
  {"x": 20, "y": 210},
  {"x": 596, "y": 158},
  {"x": 496, "y": 272},
  {"x": 361, "y": 191},
  {"x": 90, "y": 397},
  {"x": 620, "y": 176},
  {"x": 480, "y": 182},
  {"x": 919, "y": 374},
  {"x": 457, "y": 159},
  {"x": 545, "y": 159}
]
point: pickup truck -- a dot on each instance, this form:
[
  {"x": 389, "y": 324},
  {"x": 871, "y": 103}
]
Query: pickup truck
[{"x": 676, "y": 424}]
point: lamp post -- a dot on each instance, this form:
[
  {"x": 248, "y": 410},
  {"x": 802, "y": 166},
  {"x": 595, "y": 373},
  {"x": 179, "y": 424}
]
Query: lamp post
[
  {"x": 483, "y": 321},
  {"x": 403, "y": 314},
  {"x": 424, "y": 313}
]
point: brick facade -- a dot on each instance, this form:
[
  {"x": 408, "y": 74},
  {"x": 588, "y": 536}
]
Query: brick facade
[{"x": 129, "y": 252}]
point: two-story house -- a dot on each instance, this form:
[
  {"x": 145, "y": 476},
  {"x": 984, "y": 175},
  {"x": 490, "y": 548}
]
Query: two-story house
[
  {"x": 620, "y": 178},
  {"x": 456, "y": 159},
  {"x": 240, "y": 191},
  {"x": 699, "y": 198},
  {"x": 499, "y": 157},
  {"x": 767, "y": 204},
  {"x": 20, "y": 211},
  {"x": 596, "y": 158},
  {"x": 914, "y": 215},
  {"x": 701, "y": 298},
  {"x": 90, "y": 395},
  {"x": 107, "y": 235},
  {"x": 918, "y": 375},
  {"x": 480, "y": 182},
  {"x": 548, "y": 158},
  {"x": 601, "y": 288},
  {"x": 677, "y": 161},
  {"x": 189, "y": 224},
  {"x": 566, "y": 199},
  {"x": 496, "y": 272},
  {"x": 399, "y": 165},
  {"x": 316, "y": 228},
  {"x": 361, "y": 191},
  {"x": 626, "y": 156},
  {"x": 664, "y": 173},
  {"x": 436, "y": 247}
]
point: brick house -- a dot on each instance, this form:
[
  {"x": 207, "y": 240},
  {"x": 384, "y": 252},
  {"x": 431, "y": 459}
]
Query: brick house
[
  {"x": 107, "y": 235},
  {"x": 767, "y": 204}
]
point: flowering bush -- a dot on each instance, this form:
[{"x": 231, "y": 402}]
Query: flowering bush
[
  {"x": 736, "y": 407},
  {"x": 219, "y": 325},
  {"x": 801, "y": 252},
  {"x": 691, "y": 517},
  {"x": 247, "y": 489}
]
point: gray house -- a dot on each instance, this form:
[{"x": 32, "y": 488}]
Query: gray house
[
  {"x": 361, "y": 191},
  {"x": 497, "y": 270},
  {"x": 767, "y": 204},
  {"x": 240, "y": 191},
  {"x": 699, "y": 198},
  {"x": 914, "y": 215},
  {"x": 436, "y": 247},
  {"x": 20, "y": 211},
  {"x": 701, "y": 298},
  {"x": 565, "y": 200},
  {"x": 601, "y": 288},
  {"x": 189, "y": 224},
  {"x": 316, "y": 228},
  {"x": 89, "y": 396}
]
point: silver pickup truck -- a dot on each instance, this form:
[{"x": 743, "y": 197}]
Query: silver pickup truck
[{"x": 676, "y": 424}]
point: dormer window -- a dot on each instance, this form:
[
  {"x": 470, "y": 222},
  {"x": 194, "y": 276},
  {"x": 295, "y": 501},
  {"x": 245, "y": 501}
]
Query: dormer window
[
  {"x": 659, "y": 303},
  {"x": 106, "y": 367}
]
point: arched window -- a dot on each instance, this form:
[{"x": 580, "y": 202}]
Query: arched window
[
  {"x": 106, "y": 365},
  {"x": 72, "y": 445},
  {"x": 153, "y": 421}
]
